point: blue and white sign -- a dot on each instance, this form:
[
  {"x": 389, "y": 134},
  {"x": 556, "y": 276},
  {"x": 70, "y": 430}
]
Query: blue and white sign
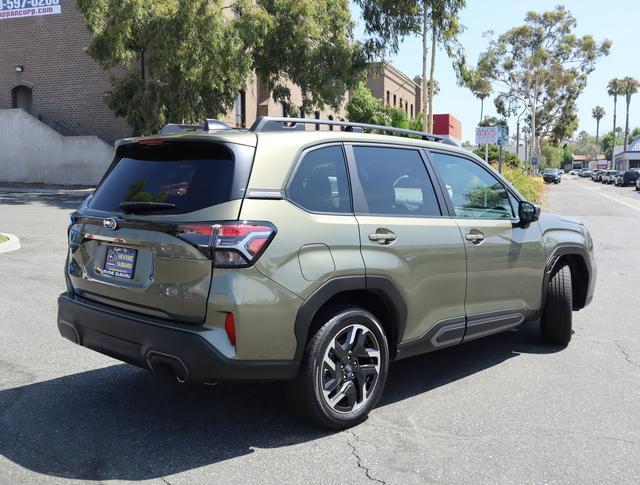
[
  {"x": 503, "y": 135},
  {"x": 11, "y": 9}
]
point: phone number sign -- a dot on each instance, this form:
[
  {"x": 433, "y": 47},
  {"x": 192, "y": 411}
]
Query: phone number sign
[{"x": 11, "y": 9}]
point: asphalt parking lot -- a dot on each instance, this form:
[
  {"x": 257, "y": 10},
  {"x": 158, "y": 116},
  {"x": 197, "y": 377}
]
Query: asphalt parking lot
[{"x": 504, "y": 409}]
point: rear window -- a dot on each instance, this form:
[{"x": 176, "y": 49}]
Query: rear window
[{"x": 190, "y": 175}]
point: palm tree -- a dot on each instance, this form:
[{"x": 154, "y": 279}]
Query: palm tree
[
  {"x": 629, "y": 87},
  {"x": 598, "y": 113},
  {"x": 614, "y": 88}
]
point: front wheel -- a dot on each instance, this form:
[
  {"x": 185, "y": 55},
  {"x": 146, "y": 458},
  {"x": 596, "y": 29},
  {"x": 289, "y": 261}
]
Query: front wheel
[
  {"x": 343, "y": 371},
  {"x": 556, "y": 322}
]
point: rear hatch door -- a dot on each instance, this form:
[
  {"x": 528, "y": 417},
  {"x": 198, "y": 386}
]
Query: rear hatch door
[{"x": 142, "y": 241}]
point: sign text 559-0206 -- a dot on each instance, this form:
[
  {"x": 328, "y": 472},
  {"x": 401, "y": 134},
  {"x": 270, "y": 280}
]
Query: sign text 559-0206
[
  {"x": 19, "y": 4},
  {"x": 28, "y": 8}
]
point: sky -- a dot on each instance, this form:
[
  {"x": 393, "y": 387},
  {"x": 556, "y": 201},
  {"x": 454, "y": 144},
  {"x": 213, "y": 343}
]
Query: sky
[{"x": 619, "y": 24}]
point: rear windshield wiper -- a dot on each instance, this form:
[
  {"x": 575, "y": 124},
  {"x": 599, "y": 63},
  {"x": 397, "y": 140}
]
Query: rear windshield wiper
[{"x": 129, "y": 207}]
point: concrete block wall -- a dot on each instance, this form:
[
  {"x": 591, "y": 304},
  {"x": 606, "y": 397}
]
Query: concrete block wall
[{"x": 32, "y": 152}]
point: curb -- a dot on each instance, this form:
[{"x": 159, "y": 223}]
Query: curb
[{"x": 13, "y": 244}]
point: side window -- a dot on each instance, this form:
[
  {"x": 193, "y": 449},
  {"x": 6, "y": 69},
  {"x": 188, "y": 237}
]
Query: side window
[
  {"x": 395, "y": 182},
  {"x": 474, "y": 191},
  {"x": 320, "y": 183}
]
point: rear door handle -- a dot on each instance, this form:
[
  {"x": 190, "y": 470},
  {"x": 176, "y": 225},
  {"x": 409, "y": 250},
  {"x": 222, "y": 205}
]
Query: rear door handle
[
  {"x": 475, "y": 237},
  {"x": 382, "y": 237}
]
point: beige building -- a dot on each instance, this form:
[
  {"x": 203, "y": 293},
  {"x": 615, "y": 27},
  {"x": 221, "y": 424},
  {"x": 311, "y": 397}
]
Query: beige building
[{"x": 395, "y": 88}]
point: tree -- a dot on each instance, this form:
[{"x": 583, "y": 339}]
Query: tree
[
  {"x": 634, "y": 133},
  {"x": 363, "y": 106},
  {"x": 585, "y": 144},
  {"x": 388, "y": 22},
  {"x": 551, "y": 154},
  {"x": 598, "y": 113},
  {"x": 614, "y": 88},
  {"x": 479, "y": 87},
  {"x": 445, "y": 28},
  {"x": 629, "y": 87},
  {"x": 200, "y": 54},
  {"x": 543, "y": 66},
  {"x": 607, "y": 144}
]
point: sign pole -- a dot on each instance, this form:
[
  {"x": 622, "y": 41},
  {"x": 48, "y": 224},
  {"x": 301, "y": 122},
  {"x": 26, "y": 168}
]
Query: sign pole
[
  {"x": 500, "y": 160},
  {"x": 486, "y": 153}
]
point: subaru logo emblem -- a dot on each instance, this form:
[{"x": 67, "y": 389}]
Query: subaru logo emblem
[{"x": 110, "y": 224}]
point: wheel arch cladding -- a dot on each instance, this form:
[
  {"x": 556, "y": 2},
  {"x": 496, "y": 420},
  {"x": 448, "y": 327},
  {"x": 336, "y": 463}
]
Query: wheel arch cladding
[
  {"x": 376, "y": 294},
  {"x": 575, "y": 258}
]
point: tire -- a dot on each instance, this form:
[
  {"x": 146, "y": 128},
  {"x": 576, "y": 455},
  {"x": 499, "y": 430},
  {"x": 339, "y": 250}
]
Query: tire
[
  {"x": 315, "y": 391},
  {"x": 556, "y": 321}
]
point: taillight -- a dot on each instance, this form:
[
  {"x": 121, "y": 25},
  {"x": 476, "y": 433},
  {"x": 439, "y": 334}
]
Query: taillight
[{"x": 229, "y": 244}]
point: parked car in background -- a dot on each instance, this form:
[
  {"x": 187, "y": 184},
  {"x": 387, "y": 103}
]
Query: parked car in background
[
  {"x": 638, "y": 185},
  {"x": 552, "y": 176},
  {"x": 598, "y": 177},
  {"x": 575, "y": 171},
  {"x": 585, "y": 172},
  {"x": 627, "y": 177},
  {"x": 610, "y": 176},
  {"x": 594, "y": 173}
]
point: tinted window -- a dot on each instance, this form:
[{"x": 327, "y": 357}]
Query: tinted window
[
  {"x": 474, "y": 191},
  {"x": 320, "y": 183},
  {"x": 192, "y": 176},
  {"x": 395, "y": 182}
]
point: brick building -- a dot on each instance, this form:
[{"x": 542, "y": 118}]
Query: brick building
[{"x": 45, "y": 71}]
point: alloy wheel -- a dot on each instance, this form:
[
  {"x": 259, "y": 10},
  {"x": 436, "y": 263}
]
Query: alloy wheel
[{"x": 350, "y": 368}]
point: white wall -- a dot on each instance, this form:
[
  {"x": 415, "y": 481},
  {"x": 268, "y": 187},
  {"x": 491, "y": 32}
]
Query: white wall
[{"x": 31, "y": 151}]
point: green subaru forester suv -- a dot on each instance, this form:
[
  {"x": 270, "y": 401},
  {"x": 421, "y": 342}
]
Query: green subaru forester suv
[{"x": 310, "y": 256}]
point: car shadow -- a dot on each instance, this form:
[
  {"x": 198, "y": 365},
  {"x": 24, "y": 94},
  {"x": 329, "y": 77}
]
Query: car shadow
[
  {"x": 123, "y": 423},
  {"x": 62, "y": 200}
]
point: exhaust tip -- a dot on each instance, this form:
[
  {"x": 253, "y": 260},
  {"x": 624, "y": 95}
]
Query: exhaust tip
[{"x": 166, "y": 364}]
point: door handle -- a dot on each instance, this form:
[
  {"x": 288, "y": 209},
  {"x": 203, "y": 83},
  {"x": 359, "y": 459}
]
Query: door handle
[
  {"x": 475, "y": 237},
  {"x": 382, "y": 237}
]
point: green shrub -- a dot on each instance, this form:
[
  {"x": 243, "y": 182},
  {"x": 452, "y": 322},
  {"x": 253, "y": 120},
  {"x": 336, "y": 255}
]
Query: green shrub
[{"x": 531, "y": 187}]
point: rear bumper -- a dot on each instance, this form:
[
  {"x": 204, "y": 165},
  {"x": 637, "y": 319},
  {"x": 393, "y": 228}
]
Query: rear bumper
[{"x": 184, "y": 350}]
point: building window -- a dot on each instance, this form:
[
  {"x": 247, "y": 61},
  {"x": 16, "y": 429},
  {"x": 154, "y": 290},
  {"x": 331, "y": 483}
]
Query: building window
[
  {"x": 317, "y": 116},
  {"x": 22, "y": 98},
  {"x": 388, "y": 98},
  {"x": 302, "y": 113},
  {"x": 406, "y": 108},
  {"x": 241, "y": 110},
  {"x": 330, "y": 119},
  {"x": 284, "y": 110},
  {"x": 411, "y": 111},
  {"x": 394, "y": 99}
]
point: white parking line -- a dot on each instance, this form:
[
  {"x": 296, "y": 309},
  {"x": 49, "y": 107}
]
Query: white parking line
[{"x": 635, "y": 207}]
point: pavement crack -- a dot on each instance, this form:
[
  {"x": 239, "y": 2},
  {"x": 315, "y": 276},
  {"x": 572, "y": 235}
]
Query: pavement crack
[
  {"x": 355, "y": 453},
  {"x": 626, "y": 355}
]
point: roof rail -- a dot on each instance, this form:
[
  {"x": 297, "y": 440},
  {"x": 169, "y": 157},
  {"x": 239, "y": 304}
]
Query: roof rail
[{"x": 267, "y": 123}]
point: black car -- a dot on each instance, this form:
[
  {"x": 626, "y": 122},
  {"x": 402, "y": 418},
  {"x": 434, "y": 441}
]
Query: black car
[
  {"x": 552, "y": 176},
  {"x": 628, "y": 177}
]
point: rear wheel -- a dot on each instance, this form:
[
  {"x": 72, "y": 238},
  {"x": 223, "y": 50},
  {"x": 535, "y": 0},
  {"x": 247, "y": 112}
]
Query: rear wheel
[
  {"x": 343, "y": 371},
  {"x": 556, "y": 321}
]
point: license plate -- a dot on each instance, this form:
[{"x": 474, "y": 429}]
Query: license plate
[{"x": 120, "y": 262}]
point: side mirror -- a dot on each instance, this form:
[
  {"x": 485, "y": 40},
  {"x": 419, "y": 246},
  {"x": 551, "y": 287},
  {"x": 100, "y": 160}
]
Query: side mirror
[{"x": 528, "y": 212}]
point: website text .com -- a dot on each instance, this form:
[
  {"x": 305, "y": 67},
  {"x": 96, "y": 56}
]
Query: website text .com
[{"x": 26, "y": 12}]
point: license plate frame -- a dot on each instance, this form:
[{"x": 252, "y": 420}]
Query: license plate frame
[{"x": 120, "y": 262}]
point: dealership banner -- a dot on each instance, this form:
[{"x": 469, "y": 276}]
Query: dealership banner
[{"x": 11, "y": 9}]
